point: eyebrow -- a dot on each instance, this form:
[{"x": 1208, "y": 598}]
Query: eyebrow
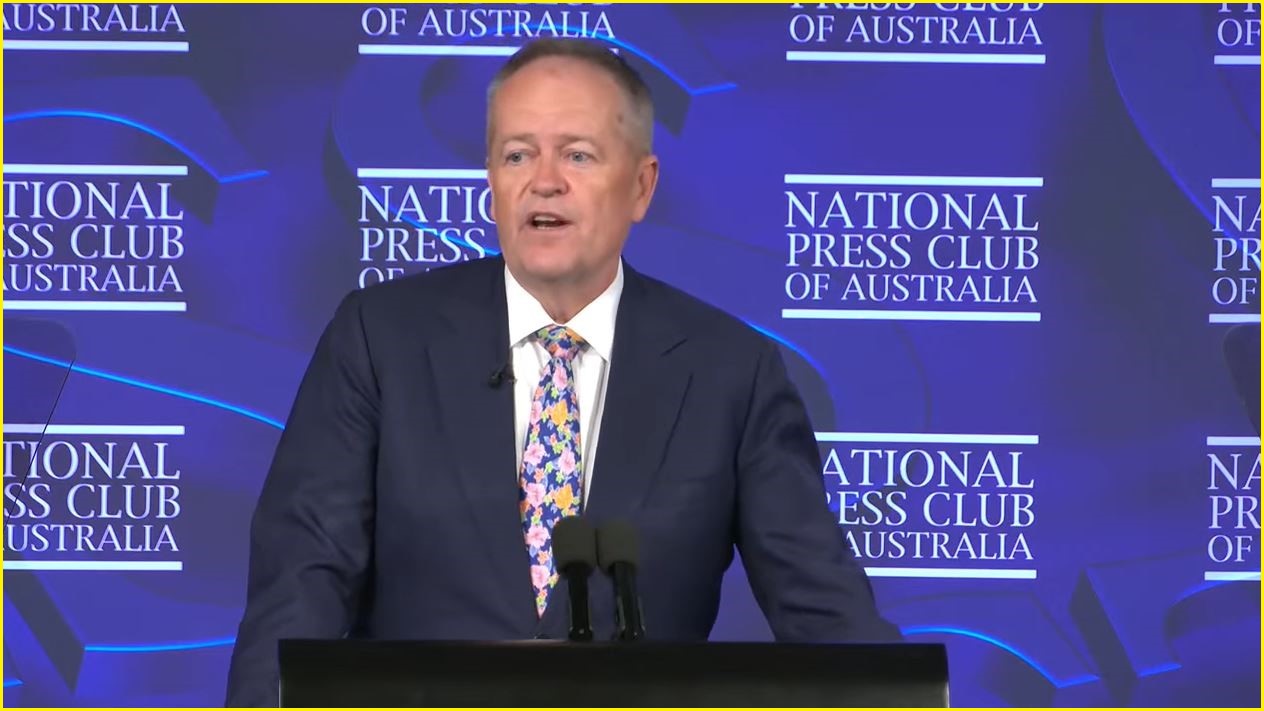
[{"x": 566, "y": 138}]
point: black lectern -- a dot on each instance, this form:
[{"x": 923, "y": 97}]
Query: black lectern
[{"x": 415, "y": 674}]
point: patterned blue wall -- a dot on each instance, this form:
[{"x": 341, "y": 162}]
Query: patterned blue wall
[{"x": 1003, "y": 245}]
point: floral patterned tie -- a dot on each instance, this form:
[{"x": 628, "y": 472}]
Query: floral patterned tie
[{"x": 551, "y": 485}]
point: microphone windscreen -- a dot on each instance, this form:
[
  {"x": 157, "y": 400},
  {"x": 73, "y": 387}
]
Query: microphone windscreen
[
  {"x": 617, "y": 543},
  {"x": 574, "y": 541}
]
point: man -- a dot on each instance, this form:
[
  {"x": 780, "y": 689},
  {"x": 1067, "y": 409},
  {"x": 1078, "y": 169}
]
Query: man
[{"x": 448, "y": 420}]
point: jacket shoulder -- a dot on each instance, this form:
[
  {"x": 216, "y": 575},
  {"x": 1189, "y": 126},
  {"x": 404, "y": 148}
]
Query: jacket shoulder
[{"x": 701, "y": 319}]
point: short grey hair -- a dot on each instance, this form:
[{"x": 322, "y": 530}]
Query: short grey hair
[{"x": 596, "y": 55}]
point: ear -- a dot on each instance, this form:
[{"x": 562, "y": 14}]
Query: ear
[{"x": 646, "y": 182}]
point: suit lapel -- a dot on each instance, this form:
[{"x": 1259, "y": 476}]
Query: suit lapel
[
  {"x": 645, "y": 390},
  {"x": 478, "y": 421}
]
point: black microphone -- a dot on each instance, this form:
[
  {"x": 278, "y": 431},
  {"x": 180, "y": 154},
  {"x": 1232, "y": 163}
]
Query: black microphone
[
  {"x": 575, "y": 555},
  {"x": 501, "y": 374},
  {"x": 1242, "y": 355},
  {"x": 618, "y": 554}
]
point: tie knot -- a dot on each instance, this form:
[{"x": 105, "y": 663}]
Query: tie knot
[{"x": 560, "y": 342}]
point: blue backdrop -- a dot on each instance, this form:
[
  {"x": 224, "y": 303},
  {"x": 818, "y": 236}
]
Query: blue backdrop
[{"x": 1001, "y": 245}]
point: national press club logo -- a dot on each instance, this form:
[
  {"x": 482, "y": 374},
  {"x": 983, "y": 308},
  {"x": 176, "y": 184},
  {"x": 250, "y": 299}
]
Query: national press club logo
[
  {"x": 934, "y": 505},
  {"x": 912, "y": 248},
  {"x": 81, "y": 236},
  {"x": 92, "y": 497},
  {"x": 1235, "y": 236},
  {"x": 921, "y": 33},
  {"x": 93, "y": 27},
  {"x": 1237, "y": 34}
]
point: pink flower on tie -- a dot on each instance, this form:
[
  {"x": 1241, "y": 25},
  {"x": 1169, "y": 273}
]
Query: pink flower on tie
[
  {"x": 535, "y": 495},
  {"x": 540, "y": 576},
  {"x": 533, "y": 453},
  {"x": 559, "y": 378},
  {"x": 566, "y": 462},
  {"x": 537, "y": 536},
  {"x": 536, "y": 411}
]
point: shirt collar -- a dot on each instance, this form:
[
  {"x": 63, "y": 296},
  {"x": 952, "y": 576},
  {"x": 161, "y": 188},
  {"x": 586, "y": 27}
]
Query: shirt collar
[{"x": 594, "y": 323}]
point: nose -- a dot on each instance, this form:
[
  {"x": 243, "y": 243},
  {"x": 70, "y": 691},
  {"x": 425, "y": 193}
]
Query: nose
[{"x": 548, "y": 179}]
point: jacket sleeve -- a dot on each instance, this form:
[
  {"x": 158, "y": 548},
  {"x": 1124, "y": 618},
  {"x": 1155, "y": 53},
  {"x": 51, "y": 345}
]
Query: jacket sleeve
[
  {"x": 801, "y": 570},
  {"x": 311, "y": 533}
]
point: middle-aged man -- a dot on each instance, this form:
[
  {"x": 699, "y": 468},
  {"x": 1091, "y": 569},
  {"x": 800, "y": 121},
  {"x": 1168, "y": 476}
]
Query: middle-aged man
[{"x": 415, "y": 487}]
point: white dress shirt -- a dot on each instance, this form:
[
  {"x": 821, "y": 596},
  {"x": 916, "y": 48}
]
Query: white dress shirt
[{"x": 594, "y": 324}]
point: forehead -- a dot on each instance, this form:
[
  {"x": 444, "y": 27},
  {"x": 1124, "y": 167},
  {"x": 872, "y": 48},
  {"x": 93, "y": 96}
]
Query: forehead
[{"x": 558, "y": 96}]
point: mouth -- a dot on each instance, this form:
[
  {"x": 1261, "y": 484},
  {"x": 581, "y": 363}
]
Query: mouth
[{"x": 546, "y": 221}]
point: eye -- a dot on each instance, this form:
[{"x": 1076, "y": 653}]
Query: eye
[
  {"x": 515, "y": 157},
  {"x": 580, "y": 157}
]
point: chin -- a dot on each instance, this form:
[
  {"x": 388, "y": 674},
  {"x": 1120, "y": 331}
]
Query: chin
[{"x": 547, "y": 268}]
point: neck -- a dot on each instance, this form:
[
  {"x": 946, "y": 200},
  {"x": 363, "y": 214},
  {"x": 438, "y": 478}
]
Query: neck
[{"x": 563, "y": 300}]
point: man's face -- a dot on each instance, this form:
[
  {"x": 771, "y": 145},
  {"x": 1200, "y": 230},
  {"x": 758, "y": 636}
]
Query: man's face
[{"x": 567, "y": 182}]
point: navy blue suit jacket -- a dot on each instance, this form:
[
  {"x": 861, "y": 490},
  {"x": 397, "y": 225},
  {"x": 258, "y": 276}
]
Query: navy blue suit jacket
[{"x": 391, "y": 507}]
